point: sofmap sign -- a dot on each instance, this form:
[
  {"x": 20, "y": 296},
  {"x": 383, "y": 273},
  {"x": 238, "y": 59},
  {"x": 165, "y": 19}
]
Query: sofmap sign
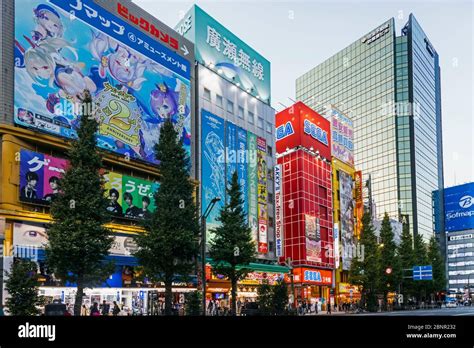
[
  {"x": 217, "y": 47},
  {"x": 63, "y": 47},
  {"x": 459, "y": 207}
]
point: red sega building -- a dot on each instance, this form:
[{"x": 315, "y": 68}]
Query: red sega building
[{"x": 304, "y": 165}]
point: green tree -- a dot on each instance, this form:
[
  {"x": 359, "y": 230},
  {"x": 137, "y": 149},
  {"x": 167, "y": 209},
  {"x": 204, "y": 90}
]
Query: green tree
[
  {"x": 420, "y": 258},
  {"x": 77, "y": 238},
  {"x": 232, "y": 244},
  {"x": 265, "y": 299},
  {"x": 193, "y": 303},
  {"x": 406, "y": 257},
  {"x": 280, "y": 298},
  {"x": 169, "y": 245},
  {"x": 436, "y": 259},
  {"x": 22, "y": 286},
  {"x": 388, "y": 260},
  {"x": 364, "y": 271}
]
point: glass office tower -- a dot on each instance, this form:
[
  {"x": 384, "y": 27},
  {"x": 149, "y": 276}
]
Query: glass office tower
[{"x": 390, "y": 86}]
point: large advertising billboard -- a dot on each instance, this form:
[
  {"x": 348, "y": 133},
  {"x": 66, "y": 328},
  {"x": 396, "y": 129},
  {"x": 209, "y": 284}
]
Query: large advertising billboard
[
  {"x": 342, "y": 129},
  {"x": 346, "y": 204},
  {"x": 459, "y": 207},
  {"x": 213, "y": 178},
  {"x": 359, "y": 203},
  {"x": 313, "y": 238},
  {"x": 63, "y": 47},
  {"x": 217, "y": 47},
  {"x": 129, "y": 197},
  {"x": 231, "y": 147}
]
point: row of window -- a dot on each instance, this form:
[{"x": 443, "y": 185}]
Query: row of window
[{"x": 240, "y": 111}]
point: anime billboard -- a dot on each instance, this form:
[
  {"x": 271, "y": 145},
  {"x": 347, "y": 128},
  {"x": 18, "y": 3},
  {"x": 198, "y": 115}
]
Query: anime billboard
[{"x": 64, "y": 47}]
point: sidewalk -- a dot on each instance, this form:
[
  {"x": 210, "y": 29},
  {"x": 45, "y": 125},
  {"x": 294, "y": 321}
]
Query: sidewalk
[{"x": 324, "y": 313}]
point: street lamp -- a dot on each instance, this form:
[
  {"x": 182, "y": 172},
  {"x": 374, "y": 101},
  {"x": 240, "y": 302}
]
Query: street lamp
[{"x": 204, "y": 216}]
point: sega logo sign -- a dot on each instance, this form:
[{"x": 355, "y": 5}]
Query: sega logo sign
[
  {"x": 314, "y": 276},
  {"x": 316, "y": 132},
  {"x": 284, "y": 130}
]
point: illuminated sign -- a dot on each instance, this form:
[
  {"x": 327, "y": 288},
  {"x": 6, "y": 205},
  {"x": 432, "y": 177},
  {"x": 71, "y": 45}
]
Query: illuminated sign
[
  {"x": 284, "y": 130},
  {"x": 278, "y": 213},
  {"x": 315, "y": 132}
]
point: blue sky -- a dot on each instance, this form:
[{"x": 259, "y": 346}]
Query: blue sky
[{"x": 297, "y": 35}]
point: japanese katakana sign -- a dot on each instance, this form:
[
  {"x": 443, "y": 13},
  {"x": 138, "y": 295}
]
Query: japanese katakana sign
[{"x": 231, "y": 57}]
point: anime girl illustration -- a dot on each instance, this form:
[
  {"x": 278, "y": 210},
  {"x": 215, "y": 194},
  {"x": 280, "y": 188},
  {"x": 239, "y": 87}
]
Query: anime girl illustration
[
  {"x": 48, "y": 23},
  {"x": 122, "y": 65},
  {"x": 48, "y": 67}
]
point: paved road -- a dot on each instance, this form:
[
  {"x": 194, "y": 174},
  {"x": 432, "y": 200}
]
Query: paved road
[{"x": 459, "y": 311}]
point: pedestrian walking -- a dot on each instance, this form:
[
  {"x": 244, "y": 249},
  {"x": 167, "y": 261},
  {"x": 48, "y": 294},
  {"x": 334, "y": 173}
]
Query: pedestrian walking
[
  {"x": 95, "y": 310},
  {"x": 84, "y": 310},
  {"x": 105, "y": 308},
  {"x": 328, "y": 310},
  {"x": 116, "y": 309},
  {"x": 316, "y": 307}
]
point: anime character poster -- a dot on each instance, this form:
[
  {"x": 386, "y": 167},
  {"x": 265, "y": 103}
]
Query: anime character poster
[
  {"x": 231, "y": 150},
  {"x": 213, "y": 177},
  {"x": 39, "y": 176},
  {"x": 347, "y": 218},
  {"x": 64, "y": 47},
  {"x": 313, "y": 238}
]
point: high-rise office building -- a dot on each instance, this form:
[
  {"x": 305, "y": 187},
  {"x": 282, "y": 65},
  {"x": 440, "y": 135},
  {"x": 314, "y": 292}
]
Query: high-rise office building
[{"x": 390, "y": 86}]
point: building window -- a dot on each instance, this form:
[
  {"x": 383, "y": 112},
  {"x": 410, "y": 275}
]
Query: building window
[
  {"x": 269, "y": 127},
  {"x": 269, "y": 150},
  {"x": 241, "y": 112},
  {"x": 207, "y": 94},
  {"x": 251, "y": 118},
  {"x": 270, "y": 221},
  {"x": 219, "y": 101},
  {"x": 270, "y": 199},
  {"x": 230, "y": 106},
  {"x": 270, "y": 246},
  {"x": 260, "y": 123}
]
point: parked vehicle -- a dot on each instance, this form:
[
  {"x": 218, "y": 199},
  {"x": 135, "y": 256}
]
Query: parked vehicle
[{"x": 451, "y": 302}]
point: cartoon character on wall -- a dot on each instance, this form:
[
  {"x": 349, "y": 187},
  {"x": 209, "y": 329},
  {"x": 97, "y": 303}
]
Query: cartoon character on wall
[{"x": 48, "y": 23}]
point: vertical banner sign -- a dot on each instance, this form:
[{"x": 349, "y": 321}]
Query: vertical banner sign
[
  {"x": 242, "y": 163},
  {"x": 313, "y": 238},
  {"x": 231, "y": 147},
  {"x": 262, "y": 196},
  {"x": 253, "y": 185},
  {"x": 342, "y": 137},
  {"x": 213, "y": 166},
  {"x": 347, "y": 218},
  {"x": 336, "y": 244},
  {"x": 358, "y": 201},
  {"x": 278, "y": 212}
]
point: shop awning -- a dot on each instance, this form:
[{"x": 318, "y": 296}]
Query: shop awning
[{"x": 259, "y": 267}]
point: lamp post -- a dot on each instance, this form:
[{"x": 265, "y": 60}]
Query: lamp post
[{"x": 204, "y": 216}]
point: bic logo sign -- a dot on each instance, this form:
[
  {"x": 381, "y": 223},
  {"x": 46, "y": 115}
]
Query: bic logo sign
[
  {"x": 315, "y": 132},
  {"x": 466, "y": 201},
  {"x": 314, "y": 276},
  {"x": 284, "y": 130}
]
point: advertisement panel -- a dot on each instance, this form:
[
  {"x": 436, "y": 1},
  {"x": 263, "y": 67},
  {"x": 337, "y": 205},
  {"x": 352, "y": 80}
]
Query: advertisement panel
[
  {"x": 29, "y": 235},
  {"x": 459, "y": 207},
  {"x": 253, "y": 185},
  {"x": 347, "y": 218},
  {"x": 242, "y": 165},
  {"x": 336, "y": 244},
  {"x": 217, "y": 47},
  {"x": 342, "y": 136},
  {"x": 63, "y": 47},
  {"x": 311, "y": 276},
  {"x": 213, "y": 177},
  {"x": 359, "y": 203},
  {"x": 231, "y": 147},
  {"x": 128, "y": 196},
  {"x": 278, "y": 212},
  {"x": 313, "y": 238},
  {"x": 262, "y": 196},
  {"x": 39, "y": 176}
]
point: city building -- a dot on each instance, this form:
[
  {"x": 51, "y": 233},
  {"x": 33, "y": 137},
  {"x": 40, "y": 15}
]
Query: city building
[
  {"x": 304, "y": 203},
  {"x": 458, "y": 224},
  {"x": 234, "y": 131},
  {"x": 347, "y": 201},
  {"x": 390, "y": 86},
  {"x": 41, "y": 78}
]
